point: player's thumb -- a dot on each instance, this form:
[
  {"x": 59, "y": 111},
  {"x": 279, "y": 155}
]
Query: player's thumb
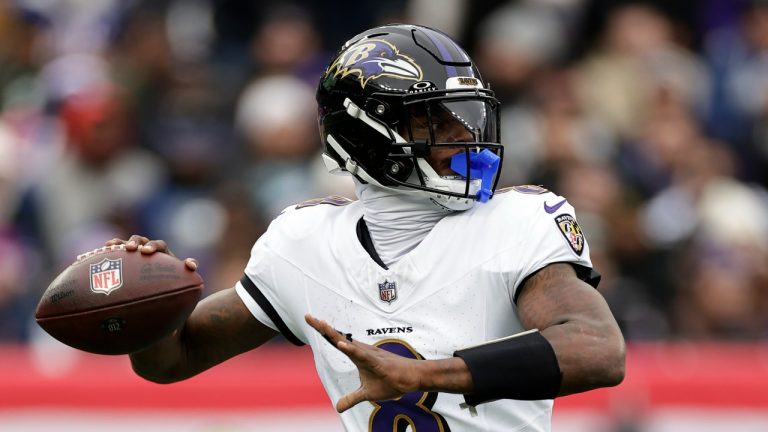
[{"x": 349, "y": 400}]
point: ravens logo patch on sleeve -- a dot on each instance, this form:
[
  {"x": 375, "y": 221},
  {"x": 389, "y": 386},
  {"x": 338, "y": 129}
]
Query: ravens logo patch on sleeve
[{"x": 572, "y": 232}]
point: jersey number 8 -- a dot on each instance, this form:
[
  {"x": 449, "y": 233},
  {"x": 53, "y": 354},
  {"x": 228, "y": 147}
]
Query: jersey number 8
[{"x": 414, "y": 409}]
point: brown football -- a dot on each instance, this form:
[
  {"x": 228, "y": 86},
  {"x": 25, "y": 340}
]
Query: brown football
[{"x": 112, "y": 301}]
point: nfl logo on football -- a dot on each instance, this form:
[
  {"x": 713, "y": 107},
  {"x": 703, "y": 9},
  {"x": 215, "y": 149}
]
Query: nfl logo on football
[
  {"x": 107, "y": 276},
  {"x": 387, "y": 291}
]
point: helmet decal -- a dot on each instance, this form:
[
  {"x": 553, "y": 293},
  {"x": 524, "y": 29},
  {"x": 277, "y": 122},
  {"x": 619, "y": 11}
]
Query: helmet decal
[{"x": 371, "y": 59}]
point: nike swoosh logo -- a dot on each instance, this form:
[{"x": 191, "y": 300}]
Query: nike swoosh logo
[{"x": 552, "y": 209}]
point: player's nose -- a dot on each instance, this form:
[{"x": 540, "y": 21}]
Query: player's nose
[{"x": 456, "y": 133}]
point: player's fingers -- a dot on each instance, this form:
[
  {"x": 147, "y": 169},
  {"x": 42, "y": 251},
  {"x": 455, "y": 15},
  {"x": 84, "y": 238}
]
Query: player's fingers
[
  {"x": 329, "y": 333},
  {"x": 114, "y": 241},
  {"x": 350, "y": 399},
  {"x": 321, "y": 326},
  {"x": 135, "y": 241},
  {"x": 191, "y": 263},
  {"x": 354, "y": 352},
  {"x": 153, "y": 246}
]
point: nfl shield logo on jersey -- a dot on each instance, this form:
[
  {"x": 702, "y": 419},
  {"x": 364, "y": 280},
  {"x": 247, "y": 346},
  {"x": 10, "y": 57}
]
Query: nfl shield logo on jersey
[
  {"x": 107, "y": 276},
  {"x": 387, "y": 291}
]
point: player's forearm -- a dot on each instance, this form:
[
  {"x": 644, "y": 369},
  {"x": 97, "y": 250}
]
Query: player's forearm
[
  {"x": 195, "y": 347},
  {"x": 590, "y": 355},
  {"x": 175, "y": 357},
  {"x": 161, "y": 362},
  {"x": 219, "y": 328},
  {"x": 183, "y": 354},
  {"x": 198, "y": 345},
  {"x": 450, "y": 375}
]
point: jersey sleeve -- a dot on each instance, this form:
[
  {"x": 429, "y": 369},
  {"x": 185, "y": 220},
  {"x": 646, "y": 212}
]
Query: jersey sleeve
[
  {"x": 553, "y": 236},
  {"x": 270, "y": 288}
]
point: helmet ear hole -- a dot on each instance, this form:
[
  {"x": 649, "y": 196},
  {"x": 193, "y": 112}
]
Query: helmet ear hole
[{"x": 398, "y": 170}]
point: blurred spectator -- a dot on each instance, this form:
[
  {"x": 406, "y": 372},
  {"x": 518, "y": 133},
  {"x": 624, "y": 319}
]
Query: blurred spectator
[
  {"x": 190, "y": 31},
  {"x": 9, "y": 189},
  {"x": 637, "y": 59},
  {"x": 198, "y": 151},
  {"x": 20, "y": 270},
  {"x": 243, "y": 224},
  {"x": 738, "y": 56},
  {"x": 141, "y": 61},
  {"x": 103, "y": 176},
  {"x": 718, "y": 228},
  {"x": 660, "y": 145},
  {"x": 287, "y": 42},
  {"x": 20, "y": 50},
  {"x": 670, "y": 217},
  {"x": 20, "y": 259},
  {"x": 550, "y": 129},
  {"x": 277, "y": 117},
  {"x": 515, "y": 43},
  {"x": 724, "y": 296},
  {"x": 189, "y": 132}
]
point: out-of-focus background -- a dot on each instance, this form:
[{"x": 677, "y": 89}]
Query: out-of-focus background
[{"x": 194, "y": 121}]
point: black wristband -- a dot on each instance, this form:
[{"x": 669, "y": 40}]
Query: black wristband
[{"x": 522, "y": 367}]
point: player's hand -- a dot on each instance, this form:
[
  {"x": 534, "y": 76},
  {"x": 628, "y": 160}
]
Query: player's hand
[
  {"x": 383, "y": 375},
  {"x": 148, "y": 247}
]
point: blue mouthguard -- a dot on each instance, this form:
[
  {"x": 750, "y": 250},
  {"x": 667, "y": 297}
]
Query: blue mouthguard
[{"x": 482, "y": 165}]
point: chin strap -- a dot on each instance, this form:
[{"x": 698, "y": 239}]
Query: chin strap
[{"x": 483, "y": 165}]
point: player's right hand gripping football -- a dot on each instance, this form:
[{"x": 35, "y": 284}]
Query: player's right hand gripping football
[{"x": 148, "y": 247}]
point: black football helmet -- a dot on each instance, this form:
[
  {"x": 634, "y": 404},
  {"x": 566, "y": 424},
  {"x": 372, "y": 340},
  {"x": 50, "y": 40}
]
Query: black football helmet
[{"x": 384, "y": 104}]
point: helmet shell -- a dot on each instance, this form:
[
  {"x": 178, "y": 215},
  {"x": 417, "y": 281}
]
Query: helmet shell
[{"x": 384, "y": 72}]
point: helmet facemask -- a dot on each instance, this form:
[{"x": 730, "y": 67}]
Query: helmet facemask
[{"x": 440, "y": 144}]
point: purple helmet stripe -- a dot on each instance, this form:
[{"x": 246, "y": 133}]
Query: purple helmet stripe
[
  {"x": 444, "y": 52},
  {"x": 454, "y": 52}
]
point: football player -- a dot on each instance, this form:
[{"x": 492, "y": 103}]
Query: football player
[{"x": 434, "y": 301}]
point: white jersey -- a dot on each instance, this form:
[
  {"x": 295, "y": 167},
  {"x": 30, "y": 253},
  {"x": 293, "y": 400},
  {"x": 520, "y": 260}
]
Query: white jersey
[{"x": 456, "y": 289}]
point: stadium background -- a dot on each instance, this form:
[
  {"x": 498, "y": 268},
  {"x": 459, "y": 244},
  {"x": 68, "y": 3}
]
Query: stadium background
[{"x": 193, "y": 121}]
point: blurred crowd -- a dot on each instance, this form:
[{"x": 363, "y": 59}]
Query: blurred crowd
[{"x": 194, "y": 121}]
